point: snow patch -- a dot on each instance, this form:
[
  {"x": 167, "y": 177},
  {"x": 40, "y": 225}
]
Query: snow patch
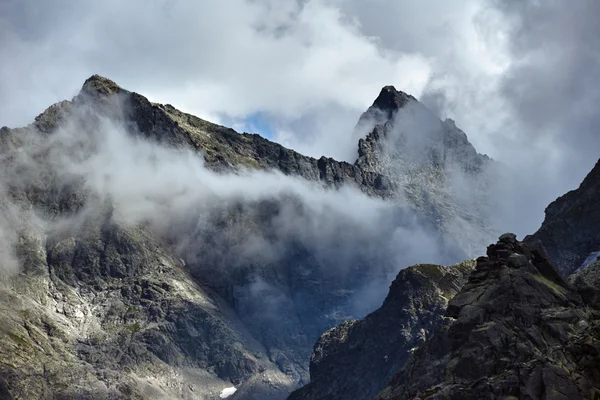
[{"x": 225, "y": 393}]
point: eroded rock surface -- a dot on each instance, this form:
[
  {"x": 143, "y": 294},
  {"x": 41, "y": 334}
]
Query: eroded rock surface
[
  {"x": 104, "y": 309},
  {"x": 570, "y": 230},
  {"x": 357, "y": 358},
  {"x": 518, "y": 330}
]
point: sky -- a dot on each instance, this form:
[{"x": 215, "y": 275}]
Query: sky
[{"x": 519, "y": 77}]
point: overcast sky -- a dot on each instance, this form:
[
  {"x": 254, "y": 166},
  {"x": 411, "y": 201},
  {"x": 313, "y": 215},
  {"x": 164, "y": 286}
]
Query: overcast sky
[{"x": 519, "y": 77}]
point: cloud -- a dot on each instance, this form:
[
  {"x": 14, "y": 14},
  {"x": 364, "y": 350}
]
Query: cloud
[
  {"x": 534, "y": 110},
  {"x": 518, "y": 77},
  {"x": 551, "y": 85},
  {"x": 290, "y": 59},
  {"x": 267, "y": 234}
]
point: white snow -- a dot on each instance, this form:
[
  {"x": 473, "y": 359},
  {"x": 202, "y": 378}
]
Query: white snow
[
  {"x": 225, "y": 393},
  {"x": 592, "y": 258}
]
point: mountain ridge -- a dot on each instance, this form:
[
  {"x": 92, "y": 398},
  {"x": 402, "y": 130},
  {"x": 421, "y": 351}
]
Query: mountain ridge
[{"x": 93, "y": 292}]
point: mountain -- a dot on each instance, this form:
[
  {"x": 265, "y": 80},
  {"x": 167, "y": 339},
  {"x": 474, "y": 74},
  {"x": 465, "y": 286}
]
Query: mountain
[
  {"x": 511, "y": 327},
  {"x": 433, "y": 166},
  {"x": 570, "y": 230},
  {"x": 133, "y": 267}
]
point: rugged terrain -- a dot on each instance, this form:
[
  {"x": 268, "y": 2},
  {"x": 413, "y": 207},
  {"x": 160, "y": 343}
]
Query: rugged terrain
[
  {"x": 432, "y": 165},
  {"x": 183, "y": 289},
  {"x": 130, "y": 269},
  {"x": 357, "y": 358},
  {"x": 570, "y": 230},
  {"x": 517, "y": 330}
]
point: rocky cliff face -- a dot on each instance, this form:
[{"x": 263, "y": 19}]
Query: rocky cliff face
[
  {"x": 357, "y": 358},
  {"x": 517, "y": 330},
  {"x": 104, "y": 312},
  {"x": 570, "y": 230},
  {"x": 183, "y": 292},
  {"x": 431, "y": 164}
]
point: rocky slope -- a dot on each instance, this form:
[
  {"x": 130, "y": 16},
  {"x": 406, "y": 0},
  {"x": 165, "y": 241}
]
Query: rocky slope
[
  {"x": 570, "y": 230},
  {"x": 357, "y": 358},
  {"x": 99, "y": 302},
  {"x": 517, "y": 330},
  {"x": 103, "y": 312}
]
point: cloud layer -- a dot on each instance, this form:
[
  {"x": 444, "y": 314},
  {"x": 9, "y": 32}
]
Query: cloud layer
[
  {"x": 217, "y": 223},
  {"x": 518, "y": 77}
]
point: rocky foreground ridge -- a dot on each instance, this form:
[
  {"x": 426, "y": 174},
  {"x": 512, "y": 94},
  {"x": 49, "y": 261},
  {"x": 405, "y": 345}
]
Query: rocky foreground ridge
[
  {"x": 515, "y": 330},
  {"x": 357, "y": 358},
  {"x": 101, "y": 309}
]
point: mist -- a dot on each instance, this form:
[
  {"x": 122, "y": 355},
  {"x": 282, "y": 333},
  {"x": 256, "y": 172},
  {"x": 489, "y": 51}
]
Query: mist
[
  {"x": 483, "y": 64},
  {"x": 267, "y": 243}
]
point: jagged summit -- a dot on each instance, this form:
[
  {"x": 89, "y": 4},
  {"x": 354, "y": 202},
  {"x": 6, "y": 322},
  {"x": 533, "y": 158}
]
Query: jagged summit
[
  {"x": 99, "y": 85},
  {"x": 156, "y": 320},
  {"x": 105, "y": 309},
  {"x": 390, "y": 100}
]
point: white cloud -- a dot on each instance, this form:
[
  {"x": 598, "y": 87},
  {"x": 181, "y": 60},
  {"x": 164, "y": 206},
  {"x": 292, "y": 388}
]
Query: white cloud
[{"x": 313, "y": 66}]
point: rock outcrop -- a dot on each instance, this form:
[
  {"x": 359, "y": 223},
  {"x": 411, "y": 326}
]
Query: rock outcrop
[
  {"x": 517, "y": 330},
  {"x": 356, "y": 359},
  {"x": 570, "y": 230}
]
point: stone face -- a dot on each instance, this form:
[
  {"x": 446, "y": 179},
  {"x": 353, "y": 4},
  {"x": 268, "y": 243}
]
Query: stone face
[
  {"x": 514, "y": 333},
  {"x": 570, "y": 230},
  {"x": 110, "y": 314},
  {"x": 587, "y": 282},
  {"x": 357, "y": 358}
]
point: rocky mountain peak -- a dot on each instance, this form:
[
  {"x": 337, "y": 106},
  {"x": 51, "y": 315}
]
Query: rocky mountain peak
[
  {"x": 97, "y": 85},
  {"x": 428, "y": 161},
  {"x": 391, "y": 100},
  {"x": 161, "y": 305},
  {"x": 183, "y": 305}
]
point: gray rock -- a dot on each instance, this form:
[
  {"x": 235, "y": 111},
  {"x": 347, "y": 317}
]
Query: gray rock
[
  {"x": 357, "y": 358},
  {"x": 108, "y": 311},
  {"x": 513, "y": 334},
  {"x": 570, "y": 230}
]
